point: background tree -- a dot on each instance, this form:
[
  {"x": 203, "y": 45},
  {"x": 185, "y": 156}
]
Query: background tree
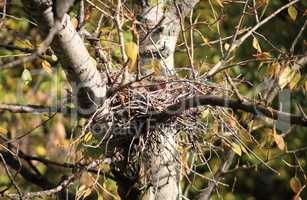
[{"x": 153, "y": 99}]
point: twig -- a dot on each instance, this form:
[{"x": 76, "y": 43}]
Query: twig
[
  {"x": 298, "y": 36},
  {"x": 81, "y": 15},
  {"x": 35, "y": 109}
]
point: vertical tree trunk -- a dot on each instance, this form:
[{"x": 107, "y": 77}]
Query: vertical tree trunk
[{"x": 159, "y": 30}]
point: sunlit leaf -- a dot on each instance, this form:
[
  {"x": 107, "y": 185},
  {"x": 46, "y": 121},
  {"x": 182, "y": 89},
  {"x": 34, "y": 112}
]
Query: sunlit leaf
[
  {"x": 220, "y": 2},
  {"x": 295, "y": 184},
  {"x": 40, "y": 150},
  {"x": 205, "y": 113},
  {"x": 226, "y": 46},
  {"x": 296, "y": 198},
  {"x": 294, "y": 81},
  {"x": 3, "y": 130},
  {"x": 131, "y": 49},
  {"x": 285, "y": 77},
  {"x": 274, "y": 69},
  {"x": 46, "y": 66},
  {"x": 54, "y": 58},
  {"x": 256, "y": 45},
  {"x": 292, "y": 12},
  {"x": 74, "y": 22},
  {"x": 279, "y": 140},
  {"x": 87, "y": 137},
  {"x": 26, "y": 76},
  {"x": 236, "y": 148}
]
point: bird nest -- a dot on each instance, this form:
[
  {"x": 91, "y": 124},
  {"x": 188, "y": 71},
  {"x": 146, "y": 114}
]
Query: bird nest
[{"x": 146, "y": 105}]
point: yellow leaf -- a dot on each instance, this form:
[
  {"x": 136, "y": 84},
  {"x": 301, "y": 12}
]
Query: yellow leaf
[
  {"x": 236, "y": 148},
  {"x": 226, "y": 46},
  {"x": 54, "y": 58},
  {"x": 46, "y": 66},
  {"x": 256, "y": 45},
  {"x": 295, "y": 184},
  {"x": 205, "y": 114},
  {"x": 292, "y": 12},
  {"x": 274, "y": 69},
  {"x": 294, "y": 81},
  {"x": 3, "y": 130},
  {"x": 285, "y": 77},
  {"x": 279, "y": 140},
  {"x": 88, "y": 136},
  {"x": 132, "y": 50},
  {"x": 220, "y": 2},
  {"x": 23, "y": 43},
  {"x": 40, "y": 150},
  {"x": 26, "y": 76}
]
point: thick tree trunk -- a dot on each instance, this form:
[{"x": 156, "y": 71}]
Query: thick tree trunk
[
  {"x": 159, "y": 30},
  {"x": 80, "y": 68}
]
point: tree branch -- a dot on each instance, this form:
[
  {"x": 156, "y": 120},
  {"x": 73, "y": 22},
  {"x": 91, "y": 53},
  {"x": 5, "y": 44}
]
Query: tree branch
[
  {"x": 35, "y": 109},
  {"x": 254, "y": 108}
]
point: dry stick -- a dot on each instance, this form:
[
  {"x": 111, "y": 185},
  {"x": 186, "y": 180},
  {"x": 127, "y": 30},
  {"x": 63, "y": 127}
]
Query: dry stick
[
  {"x": 119, "y": 26},
  {"x": 237, "y": 30},
  {"x": 190, "y": 56},
  {"x": 238, "y": 42},
  {"x": 297, "y": 37},
  {"x": 35, "y": 109}
]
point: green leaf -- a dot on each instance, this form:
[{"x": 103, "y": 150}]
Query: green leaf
[
  {"x": 26, "y": 76},
  {"x": 292, "y": 12}
]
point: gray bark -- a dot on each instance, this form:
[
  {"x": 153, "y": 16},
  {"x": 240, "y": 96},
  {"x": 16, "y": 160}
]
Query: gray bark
[
  {"x": 159, "y": 30},
  {"x": 80, "y": 68}
]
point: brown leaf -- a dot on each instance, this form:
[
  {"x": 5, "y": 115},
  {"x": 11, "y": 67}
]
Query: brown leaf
[
  {"x": 46, "y": 66},
  {"x": 295, "y": 184},
  {"x": 279, "y": 140}
]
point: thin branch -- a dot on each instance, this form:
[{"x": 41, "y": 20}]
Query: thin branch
[
  {"x": 298, "y": 36},
  {"x": 206, "y": 193},
  {"x": 35, "y": 109}
]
